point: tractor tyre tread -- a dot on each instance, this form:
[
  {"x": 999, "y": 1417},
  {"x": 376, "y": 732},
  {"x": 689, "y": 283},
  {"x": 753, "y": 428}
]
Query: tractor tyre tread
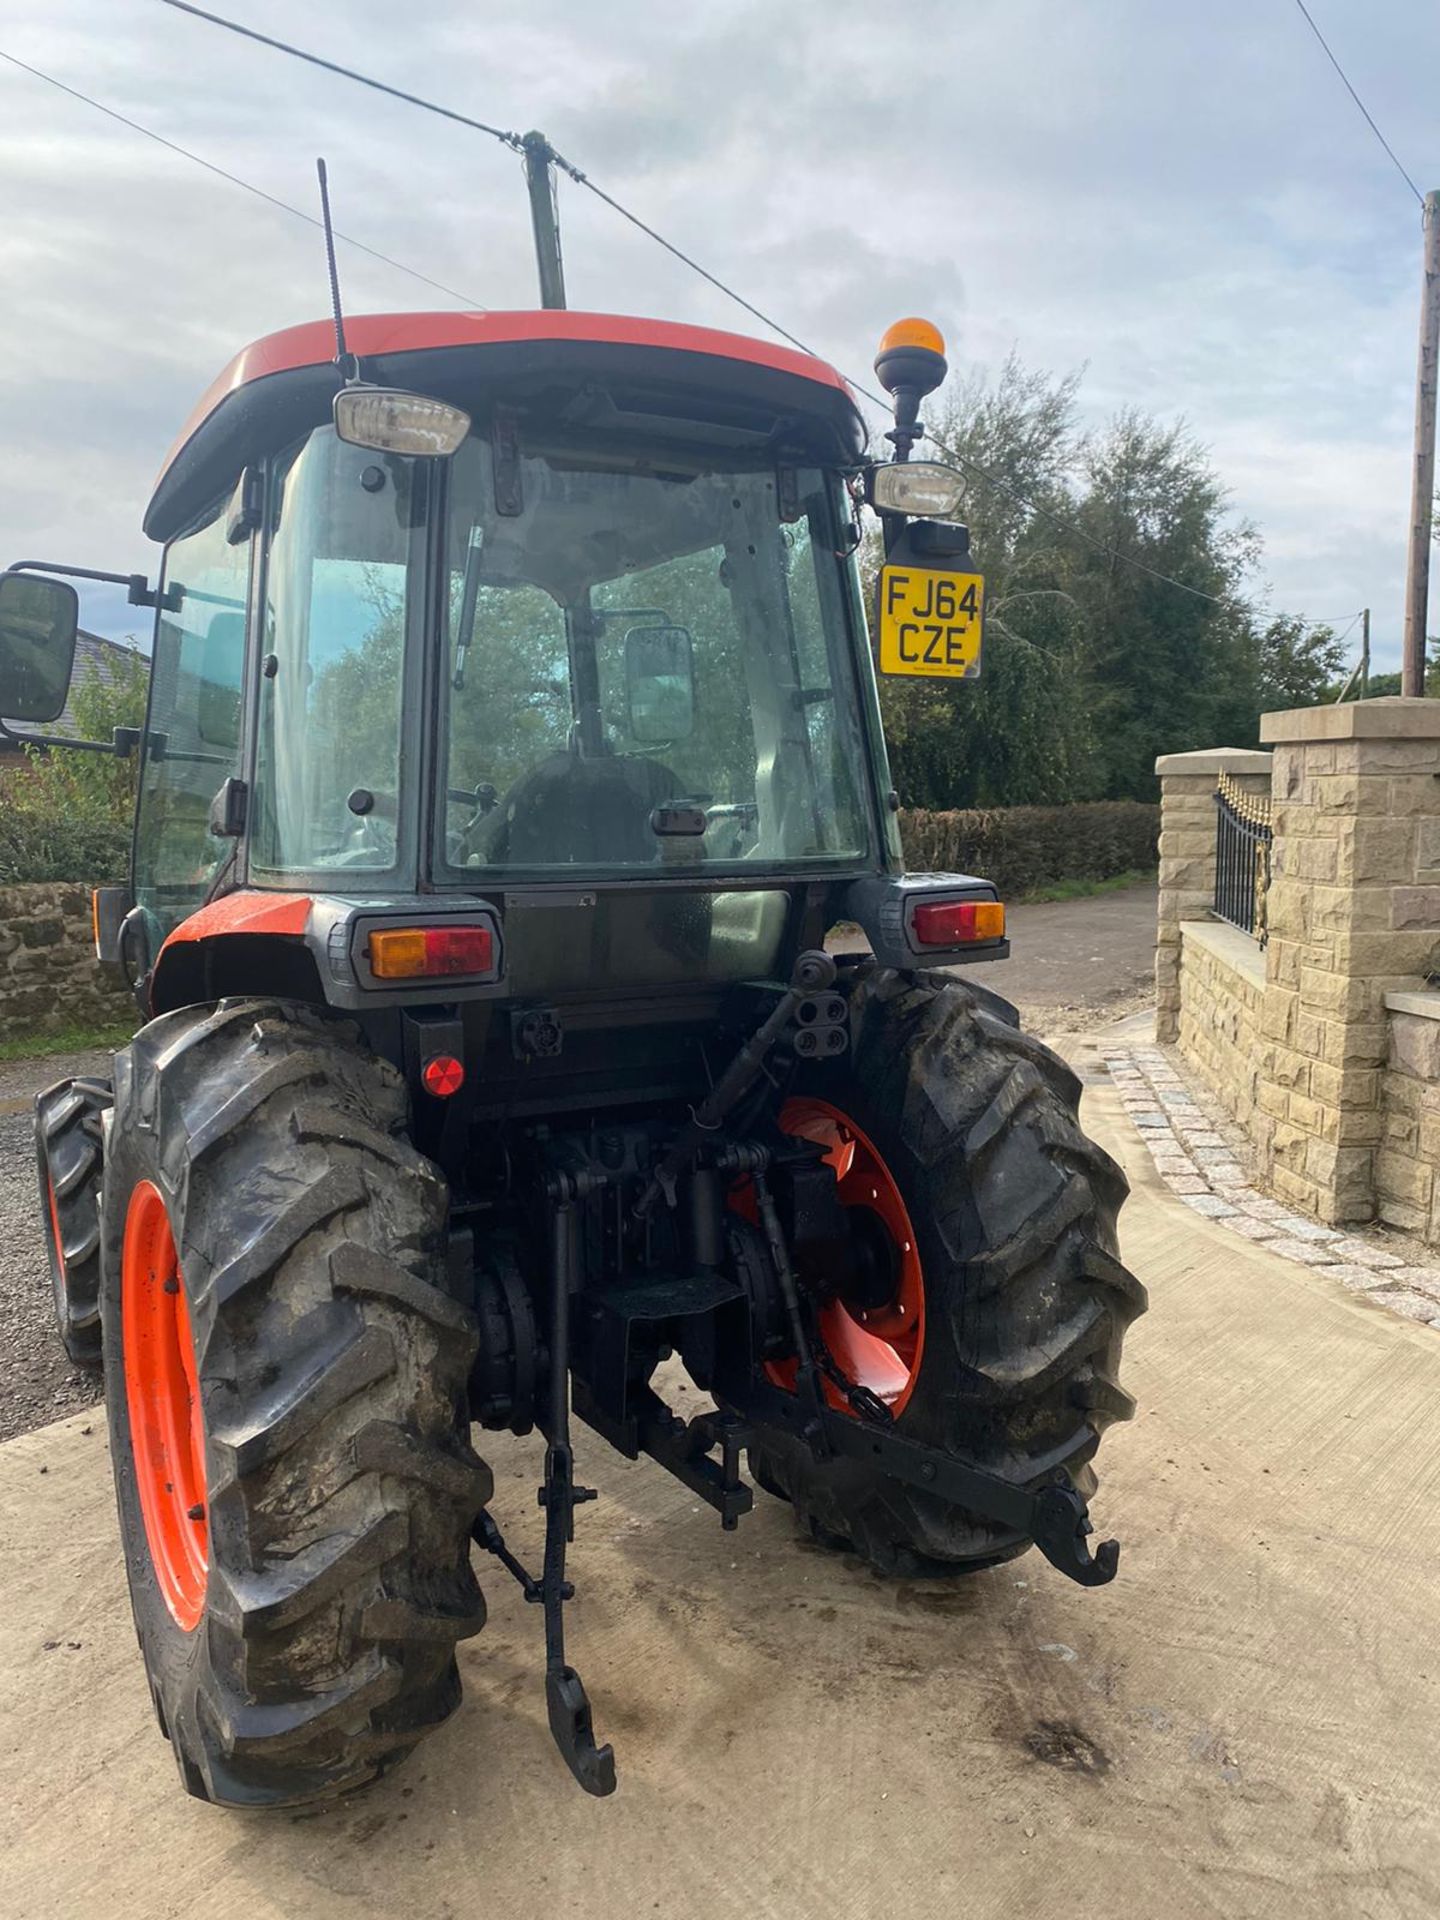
[
  {"x": 333, "y": 1369},
  {"x": 69, "y": 1154},
  {"x": 1027, "y": 1303}
]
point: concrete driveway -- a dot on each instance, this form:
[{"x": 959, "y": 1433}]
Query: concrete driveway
[{"x": 1245, "y": 1723}]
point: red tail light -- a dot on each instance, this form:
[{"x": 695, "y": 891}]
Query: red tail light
[
  {"x": 413, "y": 953},
  {"x": 957, "y": 923}
]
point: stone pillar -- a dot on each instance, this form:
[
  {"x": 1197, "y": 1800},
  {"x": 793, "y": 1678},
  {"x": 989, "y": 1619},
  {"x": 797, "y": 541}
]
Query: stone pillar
[
  {"x": 1354, "y": 913},
  {"x": 1187, "y": 856}
]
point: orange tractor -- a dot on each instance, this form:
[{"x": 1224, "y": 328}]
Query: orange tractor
[{"x": 512, "y": 748}]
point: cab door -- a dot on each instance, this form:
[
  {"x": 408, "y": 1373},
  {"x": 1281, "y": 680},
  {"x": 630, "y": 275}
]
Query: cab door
[{"x": 193, "y": 727}]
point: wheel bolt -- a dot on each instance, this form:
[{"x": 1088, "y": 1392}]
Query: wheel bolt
[{"x": 197, "y": 1512}]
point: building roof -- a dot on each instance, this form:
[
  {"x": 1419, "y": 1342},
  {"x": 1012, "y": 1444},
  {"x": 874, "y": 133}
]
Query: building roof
[{"x": 94, "y": 654}]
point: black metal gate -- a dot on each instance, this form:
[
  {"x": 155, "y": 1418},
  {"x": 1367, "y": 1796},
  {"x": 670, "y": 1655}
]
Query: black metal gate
[{"x": 1243, "y": 833}]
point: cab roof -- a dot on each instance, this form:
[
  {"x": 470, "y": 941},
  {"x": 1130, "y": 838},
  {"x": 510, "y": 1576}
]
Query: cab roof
[{"x": 280, "y": 387}]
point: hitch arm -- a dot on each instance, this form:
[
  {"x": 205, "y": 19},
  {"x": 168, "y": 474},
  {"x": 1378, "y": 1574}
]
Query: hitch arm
[
  {"x": 1054, "y": 1515},
  {"x": 567, "y": 1703}
]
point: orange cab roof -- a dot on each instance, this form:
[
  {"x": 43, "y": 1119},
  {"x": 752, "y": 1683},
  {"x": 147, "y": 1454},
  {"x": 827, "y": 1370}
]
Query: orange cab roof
[{"x": 368, "y": 335}]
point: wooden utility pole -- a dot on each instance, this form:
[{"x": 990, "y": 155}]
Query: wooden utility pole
[
  {"x": 540, "y": 179},
  {"x": 1365, "y": 654},
  {"x": 1422, "y": 497}
]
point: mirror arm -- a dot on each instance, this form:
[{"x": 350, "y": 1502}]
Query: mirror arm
[
  {"x": 140, "y": 592},
  {"x": 116, "y": 746}
]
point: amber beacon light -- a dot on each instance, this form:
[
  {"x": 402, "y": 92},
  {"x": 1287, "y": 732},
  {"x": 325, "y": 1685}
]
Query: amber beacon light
[{"x": 910, "y": 364}]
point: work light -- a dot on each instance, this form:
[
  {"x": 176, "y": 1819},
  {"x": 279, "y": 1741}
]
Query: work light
[
  {"x": 919, "y": 487},
  {"x": 393, "y": 421}
]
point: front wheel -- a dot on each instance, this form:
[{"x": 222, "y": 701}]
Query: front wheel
[
  {"x": 984, "y": 1302},
  {"x": 285, "y": 1380}
]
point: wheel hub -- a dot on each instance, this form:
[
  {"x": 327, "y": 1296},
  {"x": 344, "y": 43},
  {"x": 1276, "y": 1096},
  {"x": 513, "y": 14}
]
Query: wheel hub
[{"x": 874, "y": 1329}]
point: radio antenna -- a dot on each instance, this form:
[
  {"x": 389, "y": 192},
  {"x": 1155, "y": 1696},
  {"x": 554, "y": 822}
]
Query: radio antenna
[{"x": 346, "y": 362}]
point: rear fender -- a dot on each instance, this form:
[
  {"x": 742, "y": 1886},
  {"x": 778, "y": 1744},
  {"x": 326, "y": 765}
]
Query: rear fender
[{"x": 311, "y": 948}]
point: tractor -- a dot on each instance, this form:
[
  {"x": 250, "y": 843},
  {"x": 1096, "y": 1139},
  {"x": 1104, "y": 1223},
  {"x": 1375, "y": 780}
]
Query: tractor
[{"x": 513, "y": 752}]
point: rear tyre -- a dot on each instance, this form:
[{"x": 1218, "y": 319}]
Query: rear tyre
[
  {"x": 1025, "y": 1302},
  {"x": 68, "y": 1155},
  {"x": 285, "y": 1380}
]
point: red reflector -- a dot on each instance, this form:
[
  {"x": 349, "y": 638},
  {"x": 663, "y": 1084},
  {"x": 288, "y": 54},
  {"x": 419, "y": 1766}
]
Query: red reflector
[
  {"x": 954, "y": 923},
  {"x": 442, "y": 1075}
]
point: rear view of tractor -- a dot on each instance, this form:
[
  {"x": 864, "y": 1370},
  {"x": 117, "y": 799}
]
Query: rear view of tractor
[{"x": 513, "y": 746}]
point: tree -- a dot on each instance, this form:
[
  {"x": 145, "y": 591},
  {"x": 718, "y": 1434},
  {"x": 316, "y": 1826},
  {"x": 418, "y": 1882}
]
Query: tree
[
  {"x": 1296, "y": 664},
  {"x": 1155, "y": 567}
]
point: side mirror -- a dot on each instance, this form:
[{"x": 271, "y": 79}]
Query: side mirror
[
  {"x": 660, "y": 683},
  {"x": 39, "y": 619}
]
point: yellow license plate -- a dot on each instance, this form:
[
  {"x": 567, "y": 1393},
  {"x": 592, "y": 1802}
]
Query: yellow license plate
[{"x": 930, "y": 623}]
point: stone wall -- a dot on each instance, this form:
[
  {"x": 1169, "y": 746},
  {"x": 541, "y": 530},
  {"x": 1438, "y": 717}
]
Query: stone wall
[
  {"x": 1221, "y": 985},
  {"x": 48, "y": 976},
  {"x": 1187, "y": 855},
  {"x": 1330, "y": 1057},
  {"x": 1407, "y": 1156}
]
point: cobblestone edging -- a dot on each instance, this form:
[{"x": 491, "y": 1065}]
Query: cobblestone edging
[{"x": 1199, "y": 1153}]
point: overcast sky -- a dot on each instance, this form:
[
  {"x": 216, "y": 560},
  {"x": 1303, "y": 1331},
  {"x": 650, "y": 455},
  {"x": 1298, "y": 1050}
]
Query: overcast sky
[{"x": 1181, "y": 197}]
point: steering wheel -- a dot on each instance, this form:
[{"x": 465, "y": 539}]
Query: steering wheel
[{"x": 459, "y": 842}]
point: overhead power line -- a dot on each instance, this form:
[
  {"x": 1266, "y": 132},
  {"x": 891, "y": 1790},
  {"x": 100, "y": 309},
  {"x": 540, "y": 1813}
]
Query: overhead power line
[
  {"x": 234, "y": 179},
  {"x": 348, "y": 73},
  {"x": 1369, "y": 117}
]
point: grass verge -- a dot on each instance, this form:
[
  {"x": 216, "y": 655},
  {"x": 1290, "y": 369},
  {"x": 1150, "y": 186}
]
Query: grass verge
[
  {"x": 39, "y": 1046},
  {"x": 1083, "y": 889}
]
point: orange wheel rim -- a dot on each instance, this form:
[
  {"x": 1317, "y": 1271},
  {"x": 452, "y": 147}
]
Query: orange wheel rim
[
  {"x": 162, "y": 1395},
  {"x": 876, "y": 1347}
]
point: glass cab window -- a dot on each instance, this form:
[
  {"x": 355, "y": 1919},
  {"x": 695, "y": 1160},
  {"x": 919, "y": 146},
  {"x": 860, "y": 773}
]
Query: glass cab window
[
  {"x": 344, "y": 570},
  {"x": 628, "y": 640},
  {"x": 192, "y": 740}
]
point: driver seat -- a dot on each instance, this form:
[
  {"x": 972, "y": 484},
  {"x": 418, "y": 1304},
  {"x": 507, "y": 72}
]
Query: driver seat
[{"x": 569, "y": 811}]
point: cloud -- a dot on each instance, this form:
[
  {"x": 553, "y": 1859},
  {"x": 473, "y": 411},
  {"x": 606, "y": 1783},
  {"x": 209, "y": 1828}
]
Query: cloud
[{"x": 1182, "y": 200}]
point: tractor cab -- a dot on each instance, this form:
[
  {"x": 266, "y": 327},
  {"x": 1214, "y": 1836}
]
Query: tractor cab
[{"x": 554, "y": 610}]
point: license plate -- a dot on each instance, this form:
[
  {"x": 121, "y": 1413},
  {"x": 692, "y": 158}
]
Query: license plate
[{"x": 930, "y": 622}]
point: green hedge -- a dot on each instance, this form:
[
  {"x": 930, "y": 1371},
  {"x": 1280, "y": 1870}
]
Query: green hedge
[
  {"x": 32, "y": 849},
  {"x": 1019, "y": 848},
  {"x": 1022, "y": 848}
]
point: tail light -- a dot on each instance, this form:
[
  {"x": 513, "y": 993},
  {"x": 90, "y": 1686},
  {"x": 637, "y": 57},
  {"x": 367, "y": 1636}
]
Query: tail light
[
  {"x": 957, "y": 923},
  {"x": 428, "y": 953}
]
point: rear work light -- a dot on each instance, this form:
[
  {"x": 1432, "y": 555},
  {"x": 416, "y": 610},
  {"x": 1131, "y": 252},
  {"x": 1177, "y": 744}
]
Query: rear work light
[
  {"x": 419, "y": 953},
  {"x": 957, "y": 923}
]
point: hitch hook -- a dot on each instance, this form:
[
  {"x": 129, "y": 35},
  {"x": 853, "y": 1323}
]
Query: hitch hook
[{"x": 1059, "y": 1525}]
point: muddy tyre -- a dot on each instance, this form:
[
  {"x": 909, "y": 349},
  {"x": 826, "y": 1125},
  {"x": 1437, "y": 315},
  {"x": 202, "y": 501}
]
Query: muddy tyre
[
  {"x": 68, "y": 1153},
  {"x": 1002, "y": 1217},
  {"x": 285, "y": 1379}
]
